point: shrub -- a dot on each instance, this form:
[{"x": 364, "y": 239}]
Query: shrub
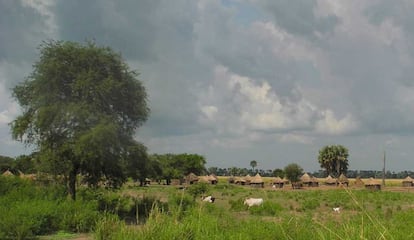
[
  {"x": 198, "y": 189},
  {"x": 107, "y": 227},
  {"x": 267, "y": 208},
  {"x": 78, "y": 216}
]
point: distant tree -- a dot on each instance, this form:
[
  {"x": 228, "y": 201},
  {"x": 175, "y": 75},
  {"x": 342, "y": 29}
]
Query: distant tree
[
  {"x": 80, "y": 106},
  {"x": 176, "y": 166},
  {"x": 192, "y": 163},
  {"x": 278, "y": 173},
  {"x": 25, "y": 164},
  {"x": 293, "y": 172},
  {"x": 138, "y": 164},
  {"x": 6, "y": 163},
  {"x": 334, "y": 159},
  {"x": 253, "y": 164},
  {"x": 212, "y": 170},
  {"x": 234, "y": 171}
]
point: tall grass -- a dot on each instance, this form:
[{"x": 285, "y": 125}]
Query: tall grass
[
  {"x": 310, "y": 218},
  {"x": 28, "y": 210}
]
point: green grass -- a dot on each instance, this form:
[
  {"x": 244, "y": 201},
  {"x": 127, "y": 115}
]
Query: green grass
[{"x": 167, "y": 212}]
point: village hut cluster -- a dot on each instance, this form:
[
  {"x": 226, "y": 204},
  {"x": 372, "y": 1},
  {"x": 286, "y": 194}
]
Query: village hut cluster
[
  {"x": 256, "y": 181},
  {"x": 192, "y": 178},
  {"x": 306, "y": 180}
]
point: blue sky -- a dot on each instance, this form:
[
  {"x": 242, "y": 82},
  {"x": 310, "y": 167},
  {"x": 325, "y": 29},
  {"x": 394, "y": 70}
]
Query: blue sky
[{"x": 240, "y": 80}]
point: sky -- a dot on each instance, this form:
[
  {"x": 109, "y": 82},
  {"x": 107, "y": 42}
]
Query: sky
[{"x": 241, "y": 80}]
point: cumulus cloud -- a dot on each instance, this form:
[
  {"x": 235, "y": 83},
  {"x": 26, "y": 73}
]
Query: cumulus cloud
[
  {"x": 242, "y": 78},
  {"x": 256, "y": 107}
]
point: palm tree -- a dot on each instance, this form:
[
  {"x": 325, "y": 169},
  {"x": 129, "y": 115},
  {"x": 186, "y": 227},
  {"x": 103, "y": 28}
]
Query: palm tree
[{"x": 253, "y": 164}]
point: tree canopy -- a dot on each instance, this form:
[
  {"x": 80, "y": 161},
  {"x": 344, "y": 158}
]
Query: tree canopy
[
  {"x": 253, "y": 164},
  {"x": 80, "y": 107},
  {"x": 179, "y": 165},
  {"x": 334, "y": 159},
  {"x": 292, "y": 172}
]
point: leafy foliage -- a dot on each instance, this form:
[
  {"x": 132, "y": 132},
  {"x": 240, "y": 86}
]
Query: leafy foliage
[
  {"x": 293, "y": 171},
  {"x": 178, "y": 165},
  {"x": 81, "y": 106},
  {"x": 334, "y": 159}
]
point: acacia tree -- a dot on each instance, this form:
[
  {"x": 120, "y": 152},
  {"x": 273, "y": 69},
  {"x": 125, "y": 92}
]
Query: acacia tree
[
  {"x": 81, "y": 106},
  {"x": 253, "y": 164},
  {"x": 334, "y": 159},
  {"x": 292, "y": 172}
]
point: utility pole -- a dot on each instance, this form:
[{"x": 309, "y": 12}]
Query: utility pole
[{"x": 383, "y": 172}]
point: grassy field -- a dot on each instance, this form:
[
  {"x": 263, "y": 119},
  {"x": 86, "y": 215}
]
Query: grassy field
[
  {"x": 286, "y": 214},
  {"x": 171, "y": 212}
]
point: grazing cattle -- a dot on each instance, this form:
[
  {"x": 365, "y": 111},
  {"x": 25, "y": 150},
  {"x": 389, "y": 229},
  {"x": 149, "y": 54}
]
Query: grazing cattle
[
  {"x": 253, "y": 202},
  {"x": 209, "y": 199},
  {"x": 336, "y": 209}
]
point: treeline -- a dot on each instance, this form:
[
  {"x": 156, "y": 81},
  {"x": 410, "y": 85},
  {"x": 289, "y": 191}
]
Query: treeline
[
  {"x": 155, "y": 166},
  {"x": 235, "y": 171}
]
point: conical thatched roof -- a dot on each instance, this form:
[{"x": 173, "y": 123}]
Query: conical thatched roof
[
  {"x": 330, "y": 180},
  {"x": 359, "y": 182},
  {"x": 372, "y": 181},
  {"x": 306, "y": 178},
  {"x": 239, "y": 179},
  {"x": 7, "y": 173},
  {"x": 248, "y": 178},
  {"x": 192, "y": 177},
  {"x": 343, "y": 179},
  {"x": 204, "y": 179},
  {"x": 277, "y": 180},
  {"x": 257, "y": 179},
  {"x": 212, "y": 177},
  {"x": 408, "y": 179},
  {"x": 314, "y": 179}
]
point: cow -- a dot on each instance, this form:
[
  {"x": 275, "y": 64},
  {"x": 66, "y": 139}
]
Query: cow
[
  {"x": 210, "y": 199},
  {"x": 253, "y": 202},
  {"x": 336, "y": 209}
]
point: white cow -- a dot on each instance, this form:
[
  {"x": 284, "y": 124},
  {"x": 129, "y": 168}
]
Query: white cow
[
  {"x": 209, "y": 199},
  {"x": 253, "y": 202},
  {"x": 336, "y": 209}
]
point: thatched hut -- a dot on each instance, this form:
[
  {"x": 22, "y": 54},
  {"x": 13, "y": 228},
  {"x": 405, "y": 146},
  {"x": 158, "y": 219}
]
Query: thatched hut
[
  {"x": 314, "y": 182},
  {"x": 239, "y": 180},
  {"x": 359, "y": 182},
  {"x": 373, "y": 184},
  {"x": 306, "y": 180},
  {"x": 330, "y": 180},
  {"x": 257, "y": 181},
  {"x": 191, "y": 178},
  {"x": 213, "y": 179},
  {"x": 248, "y": 179},
  {"x": 278, "y": 182},
  {"x": 407, "y": 182},
  {"x": 343, "y": 180}
]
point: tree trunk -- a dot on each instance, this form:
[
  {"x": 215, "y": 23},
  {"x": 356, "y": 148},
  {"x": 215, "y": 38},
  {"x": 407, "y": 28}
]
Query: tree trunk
[{"x": 72, "y": 183}]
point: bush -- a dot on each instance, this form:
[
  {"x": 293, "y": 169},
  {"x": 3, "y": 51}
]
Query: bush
[
  {"x": 78, "y": 216},
  {"x": 198, "y": 189},
  {"x": 28, "y": 218},
  {"x": 179, "y": 204},
  {"x": 266, "y": 209},
  {"x": 107, "y": 227}
]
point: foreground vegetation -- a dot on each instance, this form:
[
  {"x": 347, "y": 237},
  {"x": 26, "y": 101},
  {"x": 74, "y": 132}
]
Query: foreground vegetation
[{"x": 28, "y": 210}]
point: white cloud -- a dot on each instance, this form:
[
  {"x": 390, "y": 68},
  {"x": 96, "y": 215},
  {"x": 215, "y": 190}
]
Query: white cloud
[
  {"x": 259, "y": 108},
  {"x": 296, "y": 138},
  {"x": 329, "y": 124}
]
